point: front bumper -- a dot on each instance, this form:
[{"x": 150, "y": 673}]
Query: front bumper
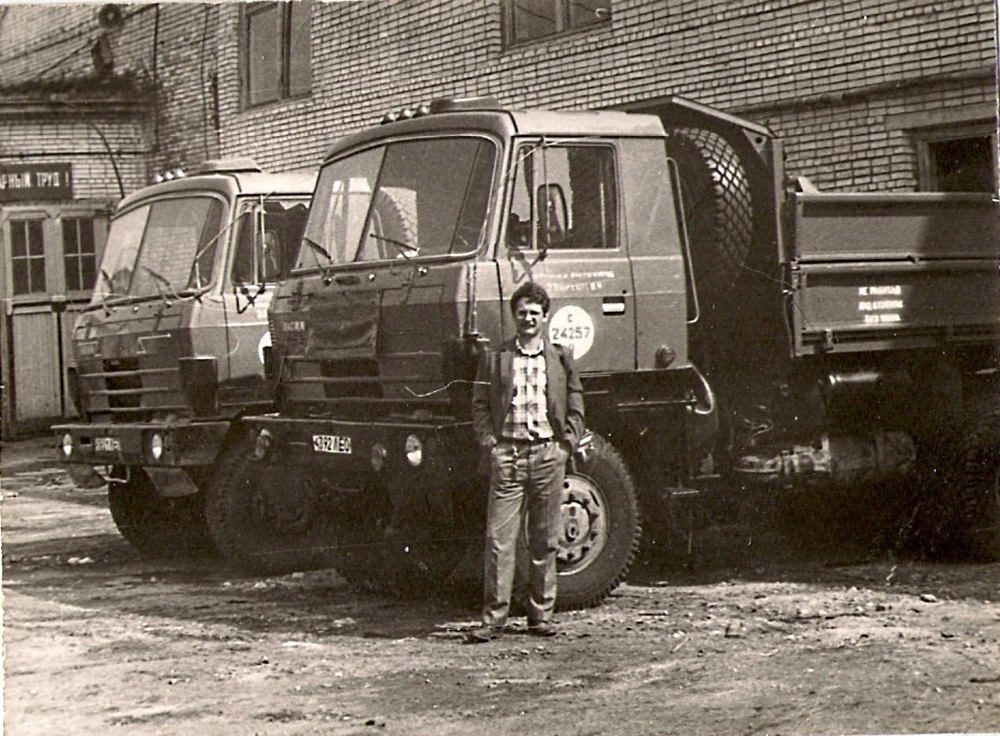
[
  {"x": 152, "y": 444},
  {"x": 342, "y": 454}
]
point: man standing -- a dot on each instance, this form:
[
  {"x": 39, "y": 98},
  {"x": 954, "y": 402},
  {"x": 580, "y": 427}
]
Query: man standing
[{"x": 527, "y": 411}]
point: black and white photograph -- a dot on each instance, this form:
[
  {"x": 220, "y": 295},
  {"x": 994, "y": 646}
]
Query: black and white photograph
[{"x": 500, "y": 367}]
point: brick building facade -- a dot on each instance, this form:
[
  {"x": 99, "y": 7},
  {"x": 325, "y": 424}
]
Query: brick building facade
[{"x": 868, "y": 95}]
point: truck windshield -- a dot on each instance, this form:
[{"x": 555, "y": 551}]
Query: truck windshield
[
  {"x": 164, "y": 247},
  {"x": 401, "y": 200}
]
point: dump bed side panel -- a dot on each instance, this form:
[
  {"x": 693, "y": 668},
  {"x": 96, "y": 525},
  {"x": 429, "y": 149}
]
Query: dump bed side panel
[{"x": 881, "y": 272}]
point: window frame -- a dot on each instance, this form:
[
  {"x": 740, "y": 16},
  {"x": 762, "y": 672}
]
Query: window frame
[
  {"x": 77, "y": 257},
  {"x": 616, "y": 205},
  {"x": 564, "y": 22},
  {"x": 928, "y": 176},
  {"x": 285, "y": 59},
  {"x": 26, "y": 220}
]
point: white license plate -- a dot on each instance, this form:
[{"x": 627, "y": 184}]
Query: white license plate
[
  {"x": 107, "y": 444},
  {"x": 332, "y": 443}
]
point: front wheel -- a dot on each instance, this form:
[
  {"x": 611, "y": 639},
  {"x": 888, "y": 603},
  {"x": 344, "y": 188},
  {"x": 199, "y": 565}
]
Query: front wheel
[
  {"x": 600, "y": 531},
  {"x": 266, "y": 519},
  {"x": 155, "y": 525}
]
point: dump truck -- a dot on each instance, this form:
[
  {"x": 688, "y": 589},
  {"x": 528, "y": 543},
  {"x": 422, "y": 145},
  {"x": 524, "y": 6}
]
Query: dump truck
[
  {"x": 169, "y": 351},
  {"x": 740, "y": 335}
]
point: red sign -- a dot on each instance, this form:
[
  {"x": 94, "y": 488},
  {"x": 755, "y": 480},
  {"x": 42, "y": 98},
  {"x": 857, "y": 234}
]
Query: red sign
[{"x": 35, "y": 182}]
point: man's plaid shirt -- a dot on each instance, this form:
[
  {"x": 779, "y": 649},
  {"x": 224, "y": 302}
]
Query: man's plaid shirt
[{"x": 527, "y": 417}]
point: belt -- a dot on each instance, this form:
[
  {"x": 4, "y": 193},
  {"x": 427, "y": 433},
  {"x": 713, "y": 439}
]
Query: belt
[{"x": 536, "y": 442}]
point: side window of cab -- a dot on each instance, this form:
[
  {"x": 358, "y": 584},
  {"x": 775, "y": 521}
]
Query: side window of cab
[{"x": 565, "y": 197}]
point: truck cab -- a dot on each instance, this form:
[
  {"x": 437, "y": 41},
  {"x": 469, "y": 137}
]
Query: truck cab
[{"x": 170, "y": 349}]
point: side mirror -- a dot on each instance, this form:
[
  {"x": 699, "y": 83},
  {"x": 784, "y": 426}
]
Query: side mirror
[{"x": 552, "y": 213}]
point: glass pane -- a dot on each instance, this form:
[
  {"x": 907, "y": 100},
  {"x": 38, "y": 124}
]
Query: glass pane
[
  {"x": 428, "y": 189},
  {"x": 37, "y": 275},
  {"x": 534, "y": 18},
  {"x": 299, "y": 48},
  {"x": 963, "y": 164},
  {"x": 263, "y": 53},
  {"x": 263, "y": 259},
  {"x": 339, "y": 208},
  {"x": 579, "y": 190},
  {"x": 18, "y": 239},
  {"x": 163, "y": 248},
  {"x": 71, "y": 236},
  {"x": 22, "y": 284},
  {"x": 120, "y": 252}
]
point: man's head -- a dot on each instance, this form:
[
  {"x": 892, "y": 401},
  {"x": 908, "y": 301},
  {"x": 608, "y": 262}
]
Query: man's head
[{"x": 530, "y": 307}]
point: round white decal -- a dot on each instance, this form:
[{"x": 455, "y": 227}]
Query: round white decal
[
  {"x": 572, "y": 326},
  {"x": 265, "y": 342}
]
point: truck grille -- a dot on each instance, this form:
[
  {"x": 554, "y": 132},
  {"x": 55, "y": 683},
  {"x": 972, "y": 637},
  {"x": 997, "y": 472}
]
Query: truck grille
[{"x": 128, "y": 390}]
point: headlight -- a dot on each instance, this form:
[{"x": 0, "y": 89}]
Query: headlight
[
  {"x": 378, "y": 456},
  {"x": 414, "y": 450},
  {"x": 67, "y": 444},
  {"x": 262, "y": 445},
  {"x": 156, "y": 446}
]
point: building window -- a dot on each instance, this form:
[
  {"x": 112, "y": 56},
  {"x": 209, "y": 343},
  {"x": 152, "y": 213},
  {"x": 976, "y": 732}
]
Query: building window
[
  {"x": 277, "y": 51},
  {"x": 27, "y": 255},
  {"x": 528, "y": 20},
  {"x": 959, "y": 164},
  {"x": 79, "y": 253}
]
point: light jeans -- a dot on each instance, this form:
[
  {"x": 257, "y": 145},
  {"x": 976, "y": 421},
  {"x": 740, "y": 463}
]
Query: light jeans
[{"x": 524, "y": 479}]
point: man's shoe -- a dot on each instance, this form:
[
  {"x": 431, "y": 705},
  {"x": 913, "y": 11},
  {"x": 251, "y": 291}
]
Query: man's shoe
[
  {"x": 484, "y": 634},
  {"x": 543, "y": 628}
]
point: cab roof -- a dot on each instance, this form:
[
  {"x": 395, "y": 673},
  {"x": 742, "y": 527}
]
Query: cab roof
[
  {"x": 490, "y": 118},
  {"x": 237, "y": 179}
]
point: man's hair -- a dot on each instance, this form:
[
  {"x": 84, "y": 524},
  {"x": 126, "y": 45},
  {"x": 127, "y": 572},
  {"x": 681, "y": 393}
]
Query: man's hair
[{"x": 532, "y": 292}]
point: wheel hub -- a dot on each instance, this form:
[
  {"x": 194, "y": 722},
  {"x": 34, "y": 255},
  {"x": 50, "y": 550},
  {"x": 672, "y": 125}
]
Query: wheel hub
[{"x": 584, "y": 524}]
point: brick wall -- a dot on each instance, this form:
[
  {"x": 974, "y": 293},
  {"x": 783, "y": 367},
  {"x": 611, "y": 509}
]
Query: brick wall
[{"x": 823, "y": 75}]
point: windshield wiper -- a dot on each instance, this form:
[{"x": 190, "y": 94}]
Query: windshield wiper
[
  {"x": 404, "y": 248},
  {"x": 318, "y": 248},
  {"x": 160, "y": 279}
]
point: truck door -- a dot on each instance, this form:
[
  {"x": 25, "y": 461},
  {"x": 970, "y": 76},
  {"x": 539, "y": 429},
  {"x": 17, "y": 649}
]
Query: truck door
[
  {"x": 267, "y": 238},
  {"x": 563, "y": 230}
]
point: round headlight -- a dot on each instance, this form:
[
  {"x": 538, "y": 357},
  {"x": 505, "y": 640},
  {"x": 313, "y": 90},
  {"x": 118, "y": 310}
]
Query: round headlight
[
  {"x": 262, "y": 445},
  {"x": 414, "y": 450},
  {"x": 156, "y": 446},
  {"x": 378, "y": 456},
  {"x": 67, "y": 444}
]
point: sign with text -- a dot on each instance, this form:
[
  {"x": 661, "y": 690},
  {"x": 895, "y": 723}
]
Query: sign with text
[{"x": 35, "y": 182}]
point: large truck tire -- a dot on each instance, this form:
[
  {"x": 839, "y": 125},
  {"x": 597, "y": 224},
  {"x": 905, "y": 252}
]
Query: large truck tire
[
  {"x": 718, "y": 209},
  {"x": 394, "y": 224},
  {"x": 264, "y": 519},
  {"x": 158, "y": 526},
  {"x": 978, "y": 483},
  {"x": 600, "y": 533}
]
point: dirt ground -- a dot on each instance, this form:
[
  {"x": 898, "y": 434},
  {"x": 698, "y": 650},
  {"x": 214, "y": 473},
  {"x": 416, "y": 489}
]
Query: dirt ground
[{"x": 750, "y": 641}]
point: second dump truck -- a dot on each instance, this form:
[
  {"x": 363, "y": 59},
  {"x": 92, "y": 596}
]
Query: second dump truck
[
  {"x": 169, "y": 352},
  {"x": 739, "y": 335}
]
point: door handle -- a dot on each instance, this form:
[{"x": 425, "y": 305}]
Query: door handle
[
  {"x": 347, "y": 279},
  {"x": 613, "y": 305}
]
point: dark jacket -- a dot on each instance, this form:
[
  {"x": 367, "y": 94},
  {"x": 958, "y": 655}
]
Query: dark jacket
[{"x": 494, "y": 391}]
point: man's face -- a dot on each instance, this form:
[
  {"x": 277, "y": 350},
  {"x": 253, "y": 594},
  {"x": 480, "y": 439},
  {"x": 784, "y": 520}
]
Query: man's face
[{"x": 530, "y": 319}]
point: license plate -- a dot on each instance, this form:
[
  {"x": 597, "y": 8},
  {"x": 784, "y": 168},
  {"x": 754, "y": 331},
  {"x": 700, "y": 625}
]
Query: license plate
[
  {"x": 107, "y": 444},
  {"x": 332, "y": 443}
]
